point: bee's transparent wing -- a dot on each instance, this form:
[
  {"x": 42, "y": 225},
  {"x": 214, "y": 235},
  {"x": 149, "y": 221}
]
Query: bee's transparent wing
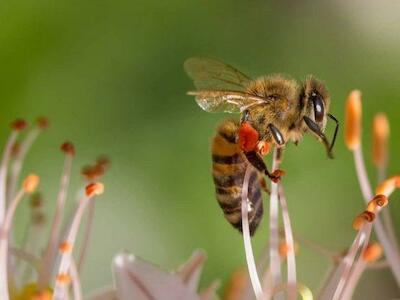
[
  {"x": 225, "y": 101},
  {"x": 211, "y": 74}
]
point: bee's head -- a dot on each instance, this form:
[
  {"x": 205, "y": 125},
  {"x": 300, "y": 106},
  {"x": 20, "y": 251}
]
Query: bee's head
[{"x": 315, "y": 102}]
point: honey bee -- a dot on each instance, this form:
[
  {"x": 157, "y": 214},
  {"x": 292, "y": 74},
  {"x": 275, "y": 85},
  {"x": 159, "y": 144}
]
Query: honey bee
[{"x": 274, "y": 110}]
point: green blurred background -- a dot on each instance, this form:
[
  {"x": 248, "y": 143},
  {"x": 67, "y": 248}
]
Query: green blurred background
[{"x": 109, "y": 76}]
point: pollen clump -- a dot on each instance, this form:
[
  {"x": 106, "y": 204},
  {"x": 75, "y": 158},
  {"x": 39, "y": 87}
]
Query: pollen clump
[
  {"x": 353, "y": 120},
  {"x": 30, "y": 183},
  {"x": 94, "y": 189}
]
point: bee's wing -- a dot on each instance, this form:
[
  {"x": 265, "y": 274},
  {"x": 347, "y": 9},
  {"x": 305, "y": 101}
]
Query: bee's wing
[
  {"x": 225, "y": 101},
  {"x": 211, "y": 74}
]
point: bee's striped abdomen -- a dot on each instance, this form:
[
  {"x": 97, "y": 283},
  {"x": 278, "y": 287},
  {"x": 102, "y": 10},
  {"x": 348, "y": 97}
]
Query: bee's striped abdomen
[{"x": 229, "y": 167}]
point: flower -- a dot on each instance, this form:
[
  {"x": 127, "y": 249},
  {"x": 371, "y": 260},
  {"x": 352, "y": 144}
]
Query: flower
[
  {"x": 27, "y": 273},
  {"x": 140, "y": 280}
]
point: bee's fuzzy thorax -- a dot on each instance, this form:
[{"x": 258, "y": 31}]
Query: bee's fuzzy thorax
[{"x": 274, "y": 86}]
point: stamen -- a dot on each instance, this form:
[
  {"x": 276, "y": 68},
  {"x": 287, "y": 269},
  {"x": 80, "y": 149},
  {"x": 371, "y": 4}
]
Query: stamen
[
  {"x": 51, "y": 249},
  {"x": 16, "y": 126},
  {"x": 290, "y": 247},
  {"x": 354, "y": 143},
  {"x": 76, "y": 282},
  {"x": 86, "y": 235},
  {"x": 275, "y": 263},
  {"x": 20, "y": 154},
  {"x": 255, "y": 281},
  {"x": 32, "y": 239},
  {"x": 64, "y": 267},
  {"x": 381, "y": 131},
  {"x": 28, "y": 186}
]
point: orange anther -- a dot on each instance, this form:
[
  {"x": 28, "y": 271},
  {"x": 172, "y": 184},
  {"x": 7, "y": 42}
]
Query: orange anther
[
  {"x": 30, "y": 183},
  {"x": 372, "y": 253},
  {"x": 387, "y": 187},
  {"x": 353, "y": 120},
  {"x": 94, "y": 189},
  {"x": 380, "y": 138}
]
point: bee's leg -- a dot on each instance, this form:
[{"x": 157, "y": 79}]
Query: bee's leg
[
  {"x": 315, "y": 128},
  {"x": 257, "y": 161},
  {"x": 276, "y": 134}
]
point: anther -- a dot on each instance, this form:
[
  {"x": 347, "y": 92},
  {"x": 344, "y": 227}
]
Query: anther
[
  {"x": 360, "y": 220},
  {"x": 42, "y": 123},
  {"x": 30, "y": 183},
  {"x": 18, "y": 124},
  {"x": 372, "y": 253},
  {"x": 94, "y": 189},
  {"x": 380, "y": 137},
  {"x": 353, "y": 120},
  {"x": 68, "y": 148}
]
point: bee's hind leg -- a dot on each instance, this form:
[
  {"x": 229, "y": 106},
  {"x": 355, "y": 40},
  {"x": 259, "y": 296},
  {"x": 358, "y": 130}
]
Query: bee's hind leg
[{"x": 257, "y": 161}]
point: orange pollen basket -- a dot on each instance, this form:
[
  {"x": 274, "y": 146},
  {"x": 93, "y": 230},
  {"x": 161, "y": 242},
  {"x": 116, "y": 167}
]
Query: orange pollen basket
[{"x": 248, "y": 137}]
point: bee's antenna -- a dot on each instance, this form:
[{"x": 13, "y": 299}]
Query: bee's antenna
[{"x": 332, "y": 117}]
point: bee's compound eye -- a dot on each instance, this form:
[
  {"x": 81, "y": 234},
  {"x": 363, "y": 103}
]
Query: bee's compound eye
[{"x": 319, "y": 110}]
